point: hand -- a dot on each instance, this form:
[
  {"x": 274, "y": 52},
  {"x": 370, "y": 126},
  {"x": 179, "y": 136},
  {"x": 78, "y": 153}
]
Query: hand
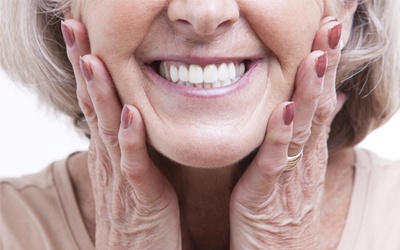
[
  {"x": 136, "y": 207},
  {"x": 276, "y": 209}
]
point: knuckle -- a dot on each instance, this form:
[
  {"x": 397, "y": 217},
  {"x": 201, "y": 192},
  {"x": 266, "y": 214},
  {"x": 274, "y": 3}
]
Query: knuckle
[
  {"x": 97, "y": 95},
  {"x": 333, "y": 62},
  {"x": 270, "y": 169},
  {"x": 130, "y": 143},
  {"x": 132, "y": 167},
  {"x": 324, "y": 110},
  {"x": 300, "y": 137},
  {"x": 100, "y": 92},
  {"x": 88, "y": 111},
  {"x": 280, "y": 139},
  {"x": 332, "y": 65},
  {"x": 109, "y": 136},
  {"x": 133, "y": 170},
  {"x": 84, "y": 105}
]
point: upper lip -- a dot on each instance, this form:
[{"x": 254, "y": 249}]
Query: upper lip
[
  {"x": 202, "y": 55},
  {"x": 225, "y": 49},
  {"x": 201, "y": 60}
]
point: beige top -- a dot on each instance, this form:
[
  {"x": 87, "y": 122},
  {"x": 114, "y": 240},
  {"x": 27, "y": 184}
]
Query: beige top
[{"x": 40, "y": 211}]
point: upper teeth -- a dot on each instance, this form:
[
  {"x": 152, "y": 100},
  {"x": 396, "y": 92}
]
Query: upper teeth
[{"x": 212, "y": 76}]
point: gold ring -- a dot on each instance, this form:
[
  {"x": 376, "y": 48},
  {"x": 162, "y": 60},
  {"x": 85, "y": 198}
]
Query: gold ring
[{"x": 293, "y": 161}]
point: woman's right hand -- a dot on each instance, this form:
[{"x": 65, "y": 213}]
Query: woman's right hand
[{"x": 136, "y": 206}]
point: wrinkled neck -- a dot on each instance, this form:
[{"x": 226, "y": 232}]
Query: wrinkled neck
[{"x": 204, "y": 198}]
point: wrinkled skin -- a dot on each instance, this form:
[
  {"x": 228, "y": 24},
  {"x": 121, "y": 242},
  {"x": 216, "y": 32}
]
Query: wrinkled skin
[{"x": 137, "y": 200}]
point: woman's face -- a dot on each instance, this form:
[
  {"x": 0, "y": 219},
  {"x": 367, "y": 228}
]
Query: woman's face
[{"x": 215, "y": 114}]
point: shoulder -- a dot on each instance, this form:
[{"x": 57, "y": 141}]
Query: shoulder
[
  {"x": 30, "y": 209},
  {"x": 41, "y": 180},
  {"x": 369, "y": 160},
  {"x": 23, "y": 193},
  {"x": 378, "y": 179},
  {"x": 373, "y": 220},
  {"x": 379, "y": 175}
]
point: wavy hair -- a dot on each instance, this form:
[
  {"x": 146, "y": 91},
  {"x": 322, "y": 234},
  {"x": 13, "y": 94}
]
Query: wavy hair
[{"x": 369, "y": 72}]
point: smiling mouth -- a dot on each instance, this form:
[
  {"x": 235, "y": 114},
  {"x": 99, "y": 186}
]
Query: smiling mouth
[{"x": 201, "y": 76}]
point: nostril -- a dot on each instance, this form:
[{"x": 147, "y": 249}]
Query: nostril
[
  {"x": 205, "y": 17},
  {"x": 183, "y": 21}
]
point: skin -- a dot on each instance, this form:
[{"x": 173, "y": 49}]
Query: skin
[
  {"x": 236, "y": 123},
  {"x": 141, "y": 198}
]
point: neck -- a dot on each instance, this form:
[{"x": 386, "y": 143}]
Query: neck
[{"x": 204, "y": 197}]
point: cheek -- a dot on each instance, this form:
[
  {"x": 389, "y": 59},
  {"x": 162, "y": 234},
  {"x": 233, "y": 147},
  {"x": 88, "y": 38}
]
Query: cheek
[
  {"x": 287, "y": 28},
  {"x": 117, "y": 27}
]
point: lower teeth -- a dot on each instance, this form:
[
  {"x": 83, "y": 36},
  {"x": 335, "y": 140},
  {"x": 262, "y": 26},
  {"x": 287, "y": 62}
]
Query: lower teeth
[{"x": 208, "y": 85}]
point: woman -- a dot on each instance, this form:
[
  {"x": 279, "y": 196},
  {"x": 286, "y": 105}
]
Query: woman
[{"x": 208, "y": 124}]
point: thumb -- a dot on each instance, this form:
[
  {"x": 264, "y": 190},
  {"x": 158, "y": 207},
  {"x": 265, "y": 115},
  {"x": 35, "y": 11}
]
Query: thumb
[
  {"x": 149, "y": 184},
  {"x": 258, "y": 182}
]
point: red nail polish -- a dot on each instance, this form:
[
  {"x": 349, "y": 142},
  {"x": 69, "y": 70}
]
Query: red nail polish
[
  {"x": 86, "y": 69},
  {"x": 334, "y": 35},
  {"x": 320, "y": 65},
  {"x": 288, "y": 114},
  {"x": 126, "y": 117},
  {"x": 68, "y": 34}
]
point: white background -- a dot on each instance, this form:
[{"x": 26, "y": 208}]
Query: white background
[{"x": 31, "y": 137}]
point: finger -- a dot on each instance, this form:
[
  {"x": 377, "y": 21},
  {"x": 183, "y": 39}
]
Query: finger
[
  {"x": 308, "y": 88},
  {"x": 104, "y": 98},
  {"x": 341, "y": 100},
  {"x": 76, "y": 40},
  {"x": 149, "y": 184},
  {"x": 327, "y": 39},
  {"x": 77, "y": 44},
  {"x": 261, "y": 176}
]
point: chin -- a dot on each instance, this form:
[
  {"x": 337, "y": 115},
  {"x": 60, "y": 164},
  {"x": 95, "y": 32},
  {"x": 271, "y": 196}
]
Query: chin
[{"x": 209, "y": 152}]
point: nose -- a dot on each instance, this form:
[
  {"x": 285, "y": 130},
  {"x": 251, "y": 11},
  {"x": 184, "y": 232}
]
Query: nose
[{"x": 203, "y": 17}]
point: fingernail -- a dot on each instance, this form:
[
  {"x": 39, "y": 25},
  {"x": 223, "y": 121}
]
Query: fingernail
[
  {"x": 86, "y": 69},
  {"x": 334, "y": 36},
  {"x": 288, "y": 114},
  {"x": 68, "y": 34},
  {"x": 320, "y": 65},
  {"x": 126, "y": 117}
]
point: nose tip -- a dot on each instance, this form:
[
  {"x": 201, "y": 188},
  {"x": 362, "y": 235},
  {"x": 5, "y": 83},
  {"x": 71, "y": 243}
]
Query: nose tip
[{"x": 204, "y": 17}]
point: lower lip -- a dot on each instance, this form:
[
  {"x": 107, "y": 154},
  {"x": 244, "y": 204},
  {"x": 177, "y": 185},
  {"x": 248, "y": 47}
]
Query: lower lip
[{"x": 202, "y": 92}]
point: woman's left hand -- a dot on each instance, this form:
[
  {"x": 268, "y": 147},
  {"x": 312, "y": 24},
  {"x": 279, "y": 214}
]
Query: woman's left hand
[{"x": 276, "y": 209}]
